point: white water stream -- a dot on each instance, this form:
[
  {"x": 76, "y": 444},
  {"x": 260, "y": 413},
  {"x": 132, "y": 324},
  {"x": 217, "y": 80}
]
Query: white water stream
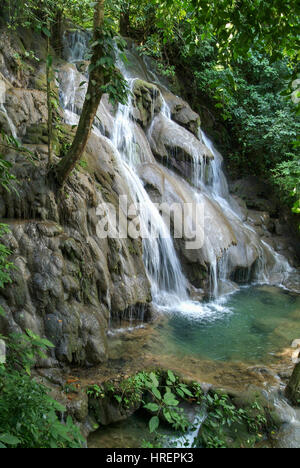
[{"x": 10, "y": 123}]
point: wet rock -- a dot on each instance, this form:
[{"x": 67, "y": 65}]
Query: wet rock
[
  {"x": 293, "y": 387},
  {"x": 78, "y": 406},
  {"x": 175, "y": 147},
  {"x": 73, "y": 87},
  {"x": 26, "y": 107},
  {"x": 147, "y": 102},
  {"x": 258, "y": 218},
  {"x": 182, "y": 113},
  {"x": 240, "y": 207},
  {"x": 66, "y": 283},
  {"x": 107, "y": 412},
  {"x": 255, "y": 193}
]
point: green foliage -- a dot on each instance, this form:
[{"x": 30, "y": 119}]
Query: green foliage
[
  {"x": 95, "y": 391},
  {"x": 116, "y": 86},
  {"x": 287, "y": 176},
  {"x": 248, "y": 96},
  {"x": 159, "y": 392},
  {"x": 5, "y": 265},
  {"x": 28, "y": 416},
  {"x": 224, "y": 419},
  {"x": 24, "y": 349}
]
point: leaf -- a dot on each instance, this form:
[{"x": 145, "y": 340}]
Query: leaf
[
  {"x": 9, "y": 439},
  {"x": 153, "y": 424},
  {"x": 167, "y": 415},
  {"x": 152, "y": 407},
  {"x": 171, "y": 376},
  {"x": 46, "y": 32},
  {"x": 186, "y": 390},
  {"x": 49, "y": 61},
  {"x": 156, "y": 393},
  {"x": 170, "y": 399},
  {"x": 154, "y": 379},
  {"x": 296, "y": 207}
]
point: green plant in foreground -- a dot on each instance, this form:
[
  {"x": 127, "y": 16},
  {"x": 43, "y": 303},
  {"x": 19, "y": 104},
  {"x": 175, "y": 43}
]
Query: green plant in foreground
[
  {"x": 28, "y": 415},
  {"x": 224, "y": 419}
]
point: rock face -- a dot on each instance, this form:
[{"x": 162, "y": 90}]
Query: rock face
[
  {"x": 175, "y": 146},
  {"x": 293, "y": 388},
  {"x": 182, "y": 113},
  {"x": 68, "y": 282},
  {"x": 27, "y": 107},
  {"x": 147, "y": 102},
  {"x": 261, "y": 210}
]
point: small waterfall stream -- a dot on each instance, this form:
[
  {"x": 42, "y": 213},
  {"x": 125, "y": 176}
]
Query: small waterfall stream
[
  {"x": 160, "y": 257},
  {"x": 169, "y": 285},
  {"x": 10, "y": 123}
]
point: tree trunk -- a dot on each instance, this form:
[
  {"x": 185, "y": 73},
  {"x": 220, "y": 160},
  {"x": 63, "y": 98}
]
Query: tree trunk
[
  {"x": 49, "y": 103},
  {"x": 91, "y": 103},
  {"x": 125, "y": 22},
  {"x": 57, "y": 33},
  {"x": 293, "y": 387}
]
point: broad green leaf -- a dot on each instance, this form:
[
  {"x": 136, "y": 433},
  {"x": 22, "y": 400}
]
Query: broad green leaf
[
  {"x": 9, "y": 439},
  {"x": 152, "y": 407},
  {"x": 153, "y": 424}
]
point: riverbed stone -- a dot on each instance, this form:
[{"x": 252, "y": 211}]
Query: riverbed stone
[{"x": 293, "y": 387}]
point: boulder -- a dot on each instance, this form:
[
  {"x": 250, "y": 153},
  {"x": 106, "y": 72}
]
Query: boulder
[
  {"x": 147, "y": 102},
  {"x": 255, "y": 193},
  {"x": 182, "y": 113},
  {"x": 176, "y": 147},
  {"x": 106, "y": 411},
  {"x": 293, "y": 387}
]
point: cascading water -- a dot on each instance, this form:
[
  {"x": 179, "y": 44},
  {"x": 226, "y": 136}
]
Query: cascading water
[
  {"x": 217, "y": 186},
  {"x": 161, "y": 261},
  {"x": 76, "y": 44},
  {"x": 169, "y": 285},
  {"x": 11, "y": 126},
  {"x": 160, "y": 257}
]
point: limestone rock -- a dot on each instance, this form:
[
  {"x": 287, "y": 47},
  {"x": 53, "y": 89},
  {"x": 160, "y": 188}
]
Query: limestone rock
[
  {"x": 182, "y": 113},
  {"x": 68, "y": 280},
  {"x": 26, "y": 107},
  {"x": 147, "y": 102},
  {"x": 175, "y": 146},
  {"x": 293, "y": 387},
  {"x": 255, "y": 193}
]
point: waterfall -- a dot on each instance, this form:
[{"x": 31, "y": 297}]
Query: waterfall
[
  {"x": 76, "y": 45},
  {"x": 218, "y": 188},
  {"x": 160, "y": 258},
  {"x": 10, "y": 123},
  {"x": 208, "y": 185}
]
